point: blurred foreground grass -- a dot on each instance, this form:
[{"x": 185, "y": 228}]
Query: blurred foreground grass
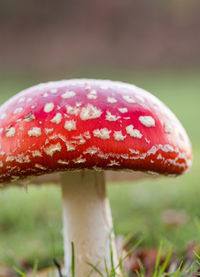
[{"x": 31, "y": 223}]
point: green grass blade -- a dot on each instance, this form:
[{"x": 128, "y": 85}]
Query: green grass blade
[
  {"x": 156, "y": 272},
  {"x": 128, "y": 253},
  {"x": 166, "y": 262},
  {"x": 141, "y": 271},
  {"x": 35, "y": 268},
  {"x": 95, "y": 269},
  {"x": 178, "y": 270},
  {"x": 22, "y": 274},
  {"x": 106, "y": 268},
  {"x": 197, "y": 255},
  {"x": 113, "y": 272},
  {"x": 73, "y": 260},
  {"x": 52, "y": 242}
]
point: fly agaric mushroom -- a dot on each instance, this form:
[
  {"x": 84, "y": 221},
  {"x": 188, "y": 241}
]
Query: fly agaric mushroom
[{"x": 81, "y": 128}]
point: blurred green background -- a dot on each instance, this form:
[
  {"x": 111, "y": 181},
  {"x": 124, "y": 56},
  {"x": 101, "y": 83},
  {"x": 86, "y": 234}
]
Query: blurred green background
[{"x": 154, "y": 45}]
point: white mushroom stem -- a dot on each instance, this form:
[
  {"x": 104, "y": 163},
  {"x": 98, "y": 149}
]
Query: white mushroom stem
[{"x": 87, "y": 222}]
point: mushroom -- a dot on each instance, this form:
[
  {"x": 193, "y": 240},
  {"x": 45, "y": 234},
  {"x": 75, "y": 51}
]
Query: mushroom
[{"x": 80, "y": 128}]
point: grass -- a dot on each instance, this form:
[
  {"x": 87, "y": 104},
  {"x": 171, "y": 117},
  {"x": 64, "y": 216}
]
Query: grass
[
  {"x": 162, "y": 268},
  {"x": 27, "y": 233}
]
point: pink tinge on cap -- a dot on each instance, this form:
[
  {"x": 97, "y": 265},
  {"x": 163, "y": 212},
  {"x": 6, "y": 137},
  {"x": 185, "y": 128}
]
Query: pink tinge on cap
[{"x": 89, "y": 124}]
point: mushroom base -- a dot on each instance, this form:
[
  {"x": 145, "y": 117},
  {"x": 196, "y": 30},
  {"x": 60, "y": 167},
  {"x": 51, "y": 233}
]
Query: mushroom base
[{"x": 87, "y": 222}]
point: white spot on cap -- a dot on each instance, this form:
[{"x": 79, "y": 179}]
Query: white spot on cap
[
  {"x": 53, "y": 137},
  {"x": 10, "y": 159},
  {"x": 1, "y": 130},
  {"x": 3, "y": 116},
  {"x": 49, "y": 107},
  {"x": 70, "y": 146},
  {"x": 40, "y": 166},
  {"x": 118, "y": 136},
  {"x": 124, "y": 156},
  {"x": 133, "y": 132},
  {"x": 167, "y": 148},
  {"x": 63, "y": 162},
  {"x": 147, "y": 121},
  {"x": 111, "y": 117},
  {"x": 153, "y": 150},
  {"x": 35, "y": 132},
  {"x": 1, "y": 164},
  {"x": 45, "y": 94},
  {"x": 68, "y": 94},
  {"x": 123, "y": 110},
  {"x": 10, "y": 132},
  {"x": 90, "y": 112},
  {"x": 21, "y": 100},
  {"x": 80, "y": 139},
  {"x": 102, "y": 133},
  {"x": 147, "y": 140},
  {"x": 63, "y": 138},
  {"x": 79, "y": 160},
  {"x": 133, "y": 151},
  {"x": 48, "y": 131},
  {"x": 159, "y": 157},
  {"x": 128, "y": 99},
  {"x": 114, "y": 163},
  {"x": 92, "y": 94},
  {"x": 102, "y": 155},
  {"x": 23, "y": 159},
  {"x": 18, "y": 110},
  {"x": 168, "y": 128},
  {"x": 29, "y": 99},
  {"x": 91, "y": 150},
  {"x": 72, "y": 110},
  {"x": 164, "y": 148},
  {"x": 54, "y": 90},
  {"x": 88, "y": 88},
  {"x": 111, "y": 100},
  {"x": 36, "y": 153},
  {"x": 57, "y": 118},
  {"x": 70, "y": 125},
  {"x": 52, "y": 149},
  {"x": 139, "y": 97},
  {"x": 87, "y": 135}
]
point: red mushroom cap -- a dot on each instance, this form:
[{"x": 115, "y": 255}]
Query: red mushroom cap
[{"x": 93, "y": 124}]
